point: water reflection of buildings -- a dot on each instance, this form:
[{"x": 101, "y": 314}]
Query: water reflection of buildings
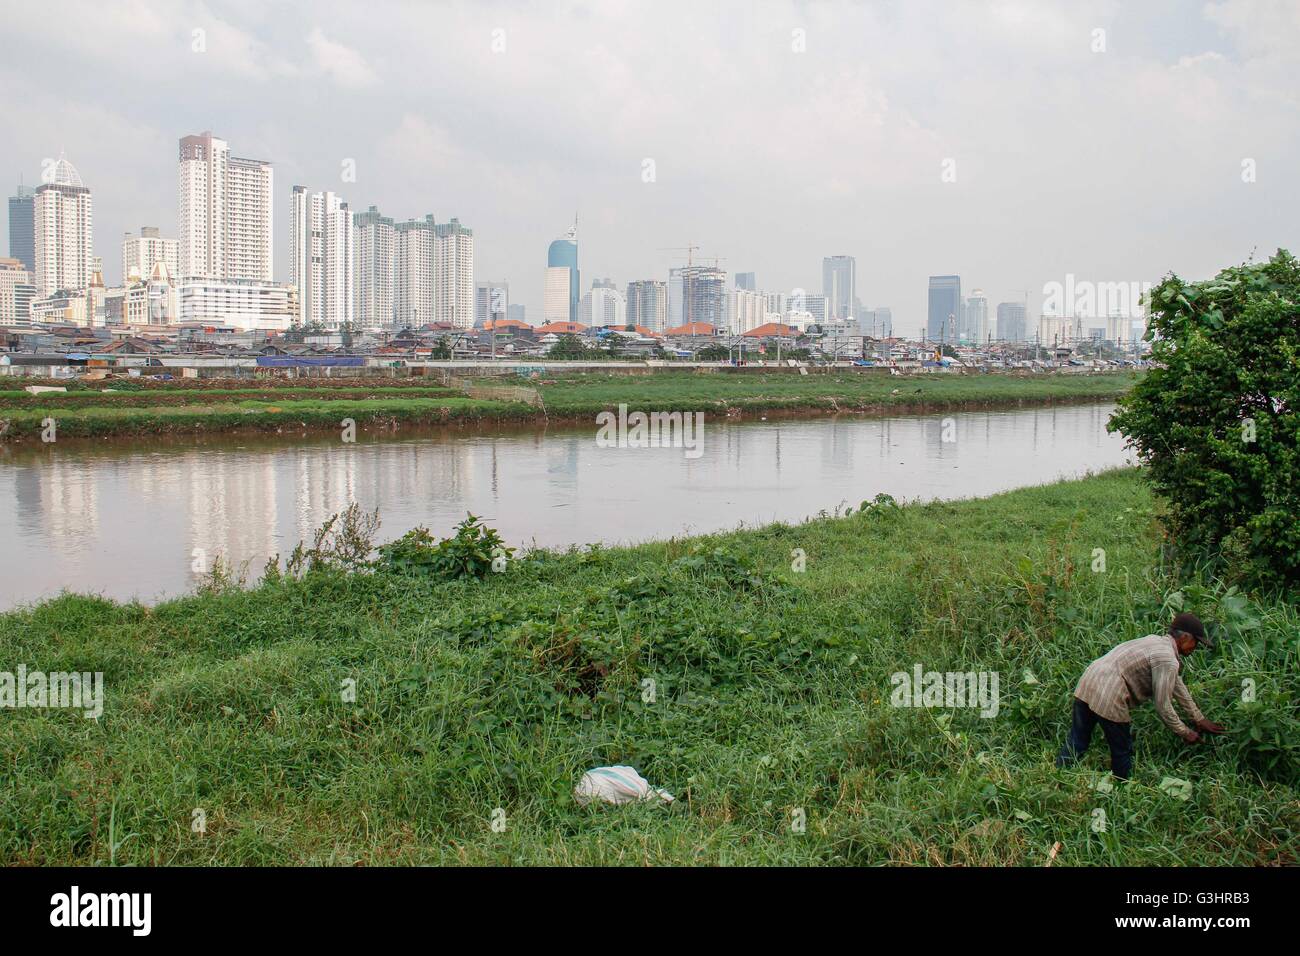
[
  {"x": 232, "y": 508},
  {"x": 562, "y": 457},
  {"x": 60, "y": 498},
  {"x": 396, "y": 478},
  {"x": 324, "y": 482}
]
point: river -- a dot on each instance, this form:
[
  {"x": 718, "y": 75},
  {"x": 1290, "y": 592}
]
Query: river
[{"x": 132, "y": 518}]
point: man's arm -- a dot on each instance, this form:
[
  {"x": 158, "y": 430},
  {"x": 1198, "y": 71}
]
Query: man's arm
[
  {"x": 1203, "y": 724},
  {"x": 1164, "y": 675},
  {"x": 1184, "y": 698}
]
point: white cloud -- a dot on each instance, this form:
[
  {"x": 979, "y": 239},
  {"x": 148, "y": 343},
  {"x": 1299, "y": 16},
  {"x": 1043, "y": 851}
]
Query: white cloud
[
  {"x": 1124, "y": 163},
  {"x": 346, "y": 66}
]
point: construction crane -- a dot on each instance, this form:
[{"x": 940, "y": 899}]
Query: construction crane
[{"x": 690, "y": 249}]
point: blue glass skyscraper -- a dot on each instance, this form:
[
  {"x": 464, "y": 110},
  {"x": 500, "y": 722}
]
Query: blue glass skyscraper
[
  {"x": 945, "y": 309},
  {"x": 563, "y": 254}
]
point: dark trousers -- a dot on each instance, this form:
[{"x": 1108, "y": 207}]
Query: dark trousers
[{"x": 1119, "y": 738}]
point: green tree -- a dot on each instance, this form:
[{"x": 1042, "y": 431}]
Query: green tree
[
  {"x": 1216, "y": 420},
  {"x": 568, "y": 346},
  {"x": 713, "y": 353}
]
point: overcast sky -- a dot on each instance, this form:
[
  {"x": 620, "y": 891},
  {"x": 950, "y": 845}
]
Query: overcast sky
[{"x": 1115, "y": 166}]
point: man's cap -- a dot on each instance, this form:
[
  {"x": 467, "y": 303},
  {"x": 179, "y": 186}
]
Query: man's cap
[{"x": 1189, "y": 623}]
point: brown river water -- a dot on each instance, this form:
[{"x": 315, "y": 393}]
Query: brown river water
[{"x": 128, "y": 517}]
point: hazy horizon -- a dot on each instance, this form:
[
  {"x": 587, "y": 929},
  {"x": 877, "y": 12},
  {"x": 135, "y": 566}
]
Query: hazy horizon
[{"x": 1115, "y": 166}]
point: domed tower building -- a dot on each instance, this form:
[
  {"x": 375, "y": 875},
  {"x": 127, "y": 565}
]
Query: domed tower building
[{"x": 63, "y": 222}]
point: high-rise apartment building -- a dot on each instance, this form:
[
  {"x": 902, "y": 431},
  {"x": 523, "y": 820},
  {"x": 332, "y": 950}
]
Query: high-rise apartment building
[
  {"x": 225, "y": 212},
  {"x": 453, "y": 275},
  {"x": 433, "y": 273},
  {"x": 22, "y": 228},
  {"x": 747, "y": 310},
  {"x": 322, "y": 258},
  {"x": 839, "y": 277},
  {"x": 16, "y": 292},
  {"x": 63, "y": 226},
  {"x": 413, "y": 273},
  {"x": 603, "y": 306},
  {"x": 815, "y": 305},
  {"x": 944, "y": 309},
  {"x": 746, "y": 281},
  {"x": 140, "y": 253},
  {"x": 1012, "y": 326},
  {"x": 374, "y": 270},
  {"x": 647, "y": 304}
]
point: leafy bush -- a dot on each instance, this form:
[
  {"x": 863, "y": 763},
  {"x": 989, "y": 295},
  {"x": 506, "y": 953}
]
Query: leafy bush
[
  {"x": 1216, "y": 421},
  {"x": 881, "y": 506},
  {"x": 738, "y": 571},
  {"x": 469, "y": 553},
  {"x": 1264, "y": 736},
  {"x": 412, "y": 554}
]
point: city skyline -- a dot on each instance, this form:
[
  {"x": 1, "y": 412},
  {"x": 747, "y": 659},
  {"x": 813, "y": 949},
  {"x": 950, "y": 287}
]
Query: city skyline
[{"x": 1033, "y": 194}]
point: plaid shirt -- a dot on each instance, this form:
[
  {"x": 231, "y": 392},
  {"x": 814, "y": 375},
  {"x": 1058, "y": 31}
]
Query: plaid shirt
[{"x": 1134, "y": 671}]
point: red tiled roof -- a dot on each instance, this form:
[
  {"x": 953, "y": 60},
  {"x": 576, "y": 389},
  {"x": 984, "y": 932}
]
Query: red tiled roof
[
  {"x": 771, "y": 328},
  {"x": 693, "y": 328},
  {"x": 562, "y": 328}
]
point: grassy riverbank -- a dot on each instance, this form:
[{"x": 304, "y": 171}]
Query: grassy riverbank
[
  {"x": 772, "y": 695},
  {"x": 277, "y": 406},
  {"x": 317, "y": 413},
  {"x": 753, "y": 393}
]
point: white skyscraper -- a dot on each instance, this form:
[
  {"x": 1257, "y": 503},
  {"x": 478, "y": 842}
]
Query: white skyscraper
[
  {"x": 555, "y": 294},
  {"x": 413, "y": 277},
  {"x": 225, "y": 212},
  {"x": 139, "y": 253},
  {"x": 321, "y": 264},
  {"x": 975, "y": 323},
  {"x": 454, "y": 274},
  {"x": 647, "y": 304},
  {"x": 63, "y": 222},
  {"x": 15, "y": 292},
  {"x": 746, "y": 309},
  {"x": 604, "y": 306},
  {"x": 375, "y": 243}
]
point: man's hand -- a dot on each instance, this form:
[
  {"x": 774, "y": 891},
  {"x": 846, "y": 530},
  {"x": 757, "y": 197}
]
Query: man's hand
[
  {"x": 1210, "y": 727},
  {"x": 1191, "y": 737}
]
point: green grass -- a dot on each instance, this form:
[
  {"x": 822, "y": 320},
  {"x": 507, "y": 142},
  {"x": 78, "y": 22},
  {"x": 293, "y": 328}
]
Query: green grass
[
  {"x": 574, "y": 395},
  {"x": 772, "y": 693}
]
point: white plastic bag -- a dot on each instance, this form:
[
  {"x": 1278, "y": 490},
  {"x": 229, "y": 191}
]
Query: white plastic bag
[{"x": 616, "y": 785}]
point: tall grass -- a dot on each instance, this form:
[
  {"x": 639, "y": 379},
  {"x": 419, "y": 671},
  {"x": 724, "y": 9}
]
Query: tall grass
[{"x": 771, "y": 697}]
